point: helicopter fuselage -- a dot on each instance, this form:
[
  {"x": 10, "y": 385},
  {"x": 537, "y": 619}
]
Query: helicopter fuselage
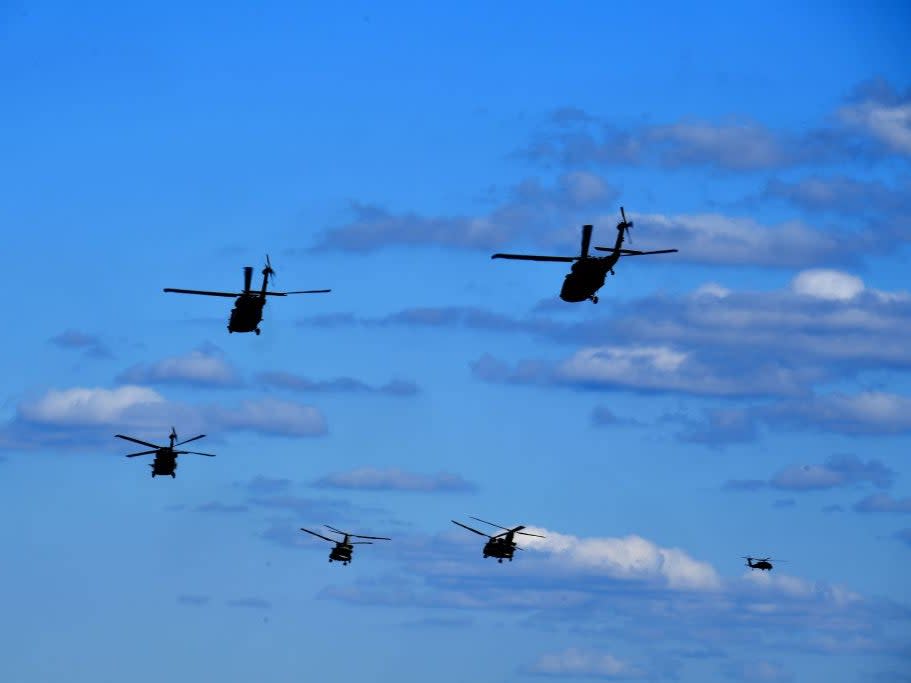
[
  {"x": 586, "y": 277},
  {"x": 341, "y": 553},
  {"x": 761, "y": 564},
  {"x": 165, "y": 463},
  {"x": 499, "y": 548},
  {"x": 247, "y": 313}
]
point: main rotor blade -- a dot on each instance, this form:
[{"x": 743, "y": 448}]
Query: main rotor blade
[
  {"x": 199, "y": 291},
  {"x": 210, "y": 455},
  {"x": 533, "y": 257},
  {"x": 632, "y": 252},
  {"x": 479, "y": 533},
  {"x": 307, "y": 291},
  {"x": 525, "y": 533},
  {"x": 496, "y": 525},
  {"x": 361, "y": 543},
  {"x": 375, "y": 538},
  {"x": 332, "y": 528},
  {"x": 133, "y": 455},
  {"x": 181, "y": 443},
  {"x": 586, "y": 240},
  {"x": 139, "y": 441},
  {"x": 313, "y": 533}
]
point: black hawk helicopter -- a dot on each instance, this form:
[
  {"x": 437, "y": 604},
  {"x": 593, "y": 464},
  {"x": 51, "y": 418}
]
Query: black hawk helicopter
[
  {"x": 764, "y": 563},
  {"x": 165, "y": 462},
  {"x": 501, "y": 546},
  {"x": 345, "y": 548},
  {"x": 248, "y": 309},
  {"x": 587, "y": 273}
]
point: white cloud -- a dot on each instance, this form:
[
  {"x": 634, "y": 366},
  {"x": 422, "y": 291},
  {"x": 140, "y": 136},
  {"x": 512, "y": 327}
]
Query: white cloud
[
  {"x": 889, "y": 123},
  {"x": 195, "y": 368},
  {"x": 87, "y": 406},
  {"x": 832, "y": 285},
  {"x": 868, "y": 412},
  {"x": 631, "y": 557}
]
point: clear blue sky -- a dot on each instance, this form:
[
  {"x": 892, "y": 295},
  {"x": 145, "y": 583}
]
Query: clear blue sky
[{"x": 749, "y": 395}]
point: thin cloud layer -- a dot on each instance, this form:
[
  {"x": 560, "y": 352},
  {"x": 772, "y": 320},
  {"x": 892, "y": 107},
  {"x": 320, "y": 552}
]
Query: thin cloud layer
[
  {"x": 392, "y": 479},
  {"x": 574, "y": 662}
]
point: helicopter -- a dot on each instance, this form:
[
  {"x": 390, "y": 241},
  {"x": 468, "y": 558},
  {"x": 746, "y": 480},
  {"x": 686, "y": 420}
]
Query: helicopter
[
  {"x": 763, "y": 564},
  {"x": 165, "y": 462},
  {"x": 343, "y": 549},
  {"x": 587, "y": 273},
  {"x": 248, "y": 309},
  {"x": 501, "y": 546}
]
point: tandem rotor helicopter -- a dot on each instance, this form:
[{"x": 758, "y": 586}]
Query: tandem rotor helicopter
[
  {"x": 588, "y": 273},
  {"x": 248, "y": 309},
  {"x": 501, "y": 546},
  {"x": 165, "y": 462},
  {"x": 345, "y": 548},
  {"x": 764, "y": 563}
]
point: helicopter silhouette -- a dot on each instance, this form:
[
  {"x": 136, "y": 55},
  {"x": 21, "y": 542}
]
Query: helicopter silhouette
[
  {"x": 588, "y": 273},
  {"x": 248, "y": 309},
  {"x": 501, "y": 546},
  {"x": 344, "y": 549},
  {"x": 763, "y": 564},
  {"x": 165, "y": 462}
]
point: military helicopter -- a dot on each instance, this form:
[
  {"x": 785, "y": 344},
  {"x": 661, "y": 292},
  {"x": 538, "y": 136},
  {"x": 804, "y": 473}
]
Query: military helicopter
[
  {"x": 248, "y": 309},
  {"x": 501, "y": 546},
  {"x": 165, "y": 462},
  {"x": 764, "y": 563},
  {"x": 343, "y": 549},
  {"x": 587, "y": 273}
]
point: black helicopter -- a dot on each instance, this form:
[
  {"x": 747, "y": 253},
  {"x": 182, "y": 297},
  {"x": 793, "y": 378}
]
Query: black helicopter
[
  {"x": 248, "y": 309},
  {"x": 165, "y": 462},
  {"x": 501, "y": 546},
  {"x": 763, "y": 563},
  {"x": 587, "y": 273},
  {"x": 343, "y": 549}
]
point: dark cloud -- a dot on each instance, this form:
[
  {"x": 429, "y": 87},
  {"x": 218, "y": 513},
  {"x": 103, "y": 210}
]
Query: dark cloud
[
  {"x": 842, "y": 194},
  {"x": 293, "y": 382},
  {"x": 865, "y": 413},
  {"x": 91, "y": 345},
  {"x": 838, "y": 471},
  {"x": 883, "y": 502},
  {"x": 391, "y": 479},
  {"x": 876, "y": 109}
]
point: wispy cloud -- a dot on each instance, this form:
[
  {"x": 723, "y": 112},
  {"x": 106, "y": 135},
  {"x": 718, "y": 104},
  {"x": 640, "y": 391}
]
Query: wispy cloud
[
  {"x": 349, "y": 385},
  {"x": 392, "y": 479},
  {"x": 883, "y": 502},
  {"x": 838, "y": 471},
  {"x": 574, "y": 662},
  {"x": 91, "y": 345}
]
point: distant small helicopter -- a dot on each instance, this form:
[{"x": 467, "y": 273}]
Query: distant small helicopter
[
  {"x": 764, "y": 563},
  {"x": 248, "y": 309},
  {"x": 588, "y": 273},
  {"x": 165, "y": 462},
  {"x": 345, "y": 548},
  {"x": 501, "y": 546}
]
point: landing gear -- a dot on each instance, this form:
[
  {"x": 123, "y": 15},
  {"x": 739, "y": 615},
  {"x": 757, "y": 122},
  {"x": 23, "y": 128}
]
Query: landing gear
[
  {"x": 257, "y": 331},
  {"x": 173, "y": 476},
  {"x": 594, "y": 299},
  {"x": 230, "y": 331},
  {"x": 500, "y": 560}
]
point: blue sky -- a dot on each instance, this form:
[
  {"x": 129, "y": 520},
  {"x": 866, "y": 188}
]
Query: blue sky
[{"x": 748, "y": 395}]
